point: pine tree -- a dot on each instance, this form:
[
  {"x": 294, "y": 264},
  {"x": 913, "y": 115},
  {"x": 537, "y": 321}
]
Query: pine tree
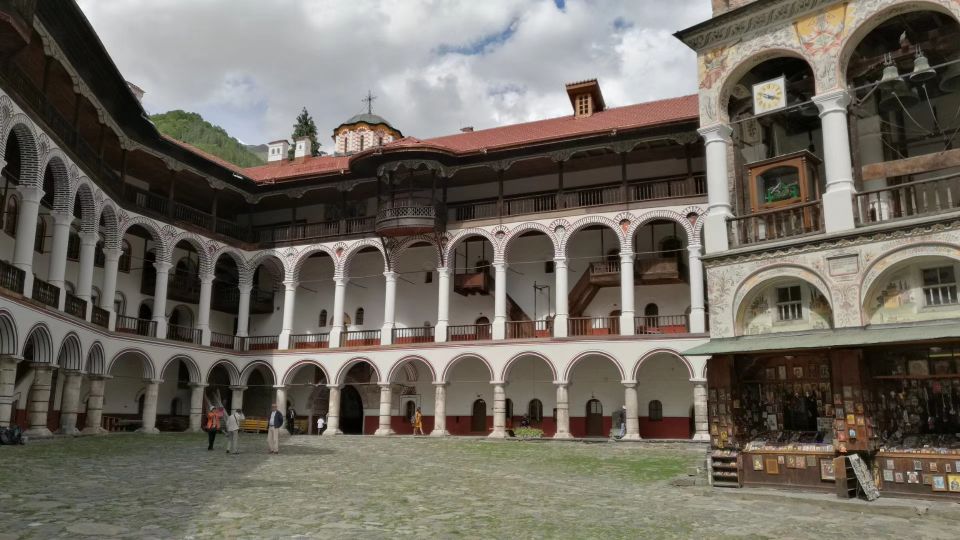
[{"x": 306, "y": 128}]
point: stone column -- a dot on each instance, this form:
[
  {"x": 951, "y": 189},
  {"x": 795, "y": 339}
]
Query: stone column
[
  {"x": 499, "y": 411},
  {"x": 717, "y": 141},
  {"x": 339, "y": 294},
  {"x": 563, "y": 413},
  {"x": 281, "y": 399},
  {"x": 333, "y": 412},
  {"x": 95, "y": 406},
  {"x": 701, "y": 429},
  {"x": 386, "y": 397},
  {"x": 58, "y": 251},
  {"x": 69, "y": 407},
  {"x": 236, "y": 397},
  {"x": 203, "y": 309},
  {"x": 243, "y": 309},
  {"x": 26, "y": 234},
  {"x": 562, "y": 295},
  {"x": 443, "y": 304},
  {"x": 838, "y": 198},
  {"x": 88, "y": 248},
  {"x": 697, "y": 313},
  {"x": 196, "y": 407},
  {"x": 160, "y": 297},
  {"x": 289, "y": 311},
  {"x": 439, "y": 410},
  {"x": 8, "y": 380},
  {"x": 389, "y": 307},
  {"x": 150, "y": 406},
  {"x": 110, "y": 267},
  {"x": 38, "y": 400},
  {"x": 633, "y": 421},
  {"x": 626, "y": 294},
  {"x": 500, "y": 300}
]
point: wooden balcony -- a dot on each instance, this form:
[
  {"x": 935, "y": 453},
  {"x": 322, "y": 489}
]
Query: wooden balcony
[
  {"x": 11, "y": 277},
  {"x": 223, "y": 341},
  {"x": 184, "y": 334},
  {"x": 908, "y": 200},
  {"x": 779, "y": 224},
  {"x": 360, "y": 338},
  {"x": 470, "y": 332},
  {"x": 417, "y": 334},
  {"x": 310, "y": 341},
  {"x": 593, "y": 326},
  {"x": 529, "y": 329},
  {"x": 140, "y": 327},
  {"x": 406, "y": 217},
  {"x": 473, "y": 283},
  {"x": 100, "y": 317},
  {"x": 258, "y": 343},
  {"x": 45, "y": 293},
  {"x": 75, "y": 306}
]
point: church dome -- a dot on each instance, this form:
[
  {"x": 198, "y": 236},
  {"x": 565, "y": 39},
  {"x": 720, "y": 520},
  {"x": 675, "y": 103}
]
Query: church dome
[{"x": 367, "y": 118}]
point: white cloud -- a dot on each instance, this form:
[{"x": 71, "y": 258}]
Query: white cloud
[{"x": 250, "y": 65}]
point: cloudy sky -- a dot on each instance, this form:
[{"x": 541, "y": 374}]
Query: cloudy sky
[{"x": 435, "y": 65}]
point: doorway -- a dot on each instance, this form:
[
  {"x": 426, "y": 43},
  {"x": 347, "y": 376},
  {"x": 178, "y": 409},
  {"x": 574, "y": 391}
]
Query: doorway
[
  {"x": 594, "y": 418},
  {"x": 351, "y": 411},
  {"x": 478, "y": 422}
]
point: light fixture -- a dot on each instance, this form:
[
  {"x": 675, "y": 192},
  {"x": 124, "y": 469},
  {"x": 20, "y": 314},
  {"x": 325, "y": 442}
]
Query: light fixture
[{"x": 921, "y": 68}]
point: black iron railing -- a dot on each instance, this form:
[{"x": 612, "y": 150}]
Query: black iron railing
[
  {"x": 140, "y": 327},
  {"x": 11, "y": 277},
  {"x": 75, "y": 306},
  {"x": 46, "y": 293}
]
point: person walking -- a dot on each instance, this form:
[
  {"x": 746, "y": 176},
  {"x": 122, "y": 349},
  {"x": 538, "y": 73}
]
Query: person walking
[
  {"x": 418, "y": 422},
  {"x": 321, "y": 423},
  {"x": 623, "y": 422},
  {"x": 274, "y": 423},
  {"x": 213, "y": 426},
  {"x": 233, "y": 431},
  {"x": 291, "y": 420}
]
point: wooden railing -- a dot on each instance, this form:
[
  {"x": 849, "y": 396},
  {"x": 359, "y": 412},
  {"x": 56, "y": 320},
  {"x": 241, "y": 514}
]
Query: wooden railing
[
  {"x": 470, "y": 332},
  {"x": 593, "y": 326},
  {"x": 11, "y": 277},
  {"x": 223, "y": 341},
  {"x": 911, "y": 199},
  {"x": 417, "y": 334},
  {"x": 605, "y": 267},
  {"x": 661, "y": 324},
  {"x": 529, "y": 329},
  {"x": 140, "y": 327},
  {"x": 183, "y": 333},
  {"x": 313, "y": 231},
  {"x": 258, "y": 343},
  {"x": 360, "y": 338},
  {"x": 46, "y": 293},
  {"x": 310, "y": 341},
  {"x": 75, "y": 306},
  {"x": 100, "y": 317},
  {"x": 776, "y": 224}
]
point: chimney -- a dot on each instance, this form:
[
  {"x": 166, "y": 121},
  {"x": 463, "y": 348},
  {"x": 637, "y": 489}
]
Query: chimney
[
  {"x": 585, "y": 97},
  {"x": 277, "y": 150},
  {"x": 302, "y": 147},
  {"x": 466, "y": 129}
]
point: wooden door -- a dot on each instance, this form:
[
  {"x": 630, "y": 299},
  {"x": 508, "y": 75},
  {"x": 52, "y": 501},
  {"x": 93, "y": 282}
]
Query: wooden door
[
  {"x": 478, "y": 422},
  {"x": 594, "y": 418}
]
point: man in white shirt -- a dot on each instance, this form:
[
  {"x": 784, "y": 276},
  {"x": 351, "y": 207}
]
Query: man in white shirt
[
  {"x": 320, "y": 424},
  {"x": 233, "y": 431},
  {"x": 274, "y": 423}
]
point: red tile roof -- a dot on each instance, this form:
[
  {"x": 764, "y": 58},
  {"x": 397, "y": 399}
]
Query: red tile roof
[{"x": 285, "y": 169}]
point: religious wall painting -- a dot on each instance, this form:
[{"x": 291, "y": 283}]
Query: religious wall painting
[{"x": 822, "y": 33}]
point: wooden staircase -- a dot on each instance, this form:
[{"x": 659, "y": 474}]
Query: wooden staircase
[{"x": 602, "y": 274}]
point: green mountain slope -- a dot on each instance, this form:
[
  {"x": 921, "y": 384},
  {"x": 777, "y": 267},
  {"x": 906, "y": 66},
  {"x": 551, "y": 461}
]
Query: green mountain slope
[{"x": 192, "y": 129}]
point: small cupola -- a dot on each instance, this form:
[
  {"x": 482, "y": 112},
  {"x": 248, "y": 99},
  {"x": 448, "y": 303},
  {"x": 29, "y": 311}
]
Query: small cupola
[{"x": 585, "y": 97}]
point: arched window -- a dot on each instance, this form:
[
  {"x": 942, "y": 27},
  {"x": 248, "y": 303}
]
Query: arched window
[
  {"x": 323, "y": 318},
  {"x": 651, "y": 310},
  {"x": 120, "y": 304},
  {"x": 41, "y": 235},
  {"x": 411, "y": 411},
  {"x": 124, "y": 263},
  {"x": 99, "y": 259},
  {"x": 535, "y": 411},
  {"x": 73, "y": 246},
  {"x": 358, "y": 319},
  {"x": 10, "y": 219},
  {"x": 655, "y": 411},
  {"x": 95, "y": 296}
]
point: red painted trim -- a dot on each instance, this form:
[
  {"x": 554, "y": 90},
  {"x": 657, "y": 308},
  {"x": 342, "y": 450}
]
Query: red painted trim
[{"x": 675, "y": 427}]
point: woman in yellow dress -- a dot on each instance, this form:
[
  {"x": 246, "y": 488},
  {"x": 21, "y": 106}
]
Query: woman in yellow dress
[{"x": 418, "y": 422}]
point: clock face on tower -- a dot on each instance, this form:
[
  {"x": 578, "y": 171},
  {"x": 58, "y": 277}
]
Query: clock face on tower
[{"x": 769, "y": 95}]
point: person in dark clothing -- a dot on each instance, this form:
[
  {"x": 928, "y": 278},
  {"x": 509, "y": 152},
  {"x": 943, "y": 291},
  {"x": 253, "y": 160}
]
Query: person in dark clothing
[
  {"x": 291, "y": 417},
  {"x": 213, "y": 426}
]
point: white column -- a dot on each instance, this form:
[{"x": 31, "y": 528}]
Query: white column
[
  {"x": 26, "y": 234},
  {"x": 339, "y": 293},
  {"x": 150, "y": 406},
  {"x": 838, "y": 199},
  {"x": 717, "y": 141},
  {"x": 563, "y": 413},
  {"x": 196, "y": 407},
  {"x": 95, "y": 406},
  {"x": 499, "y": 411},
  {"x": 500, "y": 300},
  {"x": 439, "y": 410},
  {"x": 281, "y": 399},
  {"x": 243, "y": 309},
  {"x": 697, "y": 314},
  {"x": 289, "y": 310},
  {"x": 38, "y": 399},
  {"x": 633, "y": 421},
  {"x": 8, "y": 381},
  {"x": 701, "y": 432},
  {"x": 88, "y": 248},
  {"x": 443, "y": 304},
  {"x": 69, "y": 407},
  {"x": 389, "y": 307},
  {"x": 333, "y": 412},
  {"x": 109, "y": 292},
  {"x": 236, "y": 397},
  {"x": 160, "y": 297},
  {"x": 562, "y": 295},
  {"x": 386, "y": 396},
  {"x": 626, "y": 293},
  {"x": 203, "y": 309},
  {"x": 58, "y": 251}
]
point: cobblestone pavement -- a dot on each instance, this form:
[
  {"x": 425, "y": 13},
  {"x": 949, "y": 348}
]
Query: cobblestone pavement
[{"x": 170, "y": 486}]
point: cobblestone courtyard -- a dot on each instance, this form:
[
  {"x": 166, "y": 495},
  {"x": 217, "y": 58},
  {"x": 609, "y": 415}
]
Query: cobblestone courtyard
[{"x": 170, "y": 486}]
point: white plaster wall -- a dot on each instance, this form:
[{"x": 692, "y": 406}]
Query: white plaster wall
[{"x": 664, "y": 378}]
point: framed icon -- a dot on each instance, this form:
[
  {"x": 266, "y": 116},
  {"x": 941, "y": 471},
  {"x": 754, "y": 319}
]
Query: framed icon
[
  {"x": 772, "y": 466},
  {"x": 758, "y": 463},
  {"x": 939, "y": 482},
  {"x": 898, "y": 477},
  {"x": 827, "y": 472},
  {"x": 953, "y": 483},
  {"x": 887, "y": 475}
]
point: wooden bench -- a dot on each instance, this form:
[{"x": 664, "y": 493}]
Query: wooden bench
[{"x": 253, "y": 425}]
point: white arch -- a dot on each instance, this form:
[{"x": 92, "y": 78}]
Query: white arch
[
  {"x": 8, "y": 334},
  {"x": 70, "y": 356},
  {"x": 292, "y": 370},
  {"x": 663, "y": 351},
  {"x": 39, "y": 336},
  {"x": 577, "y": 359},
  {"x": 408, "y": 360},
  {"x": 345, "y": 368},
  {"x": 527, "y": 354},
  {"x": 445, "y": 374},
  {"x": 233, "y": 374},
  {"x": 252, "y": 366},
  {"x": 148, "y": 371},
  {"x": 95, "y": 360},
  {"x": 192, "y": 368}
]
